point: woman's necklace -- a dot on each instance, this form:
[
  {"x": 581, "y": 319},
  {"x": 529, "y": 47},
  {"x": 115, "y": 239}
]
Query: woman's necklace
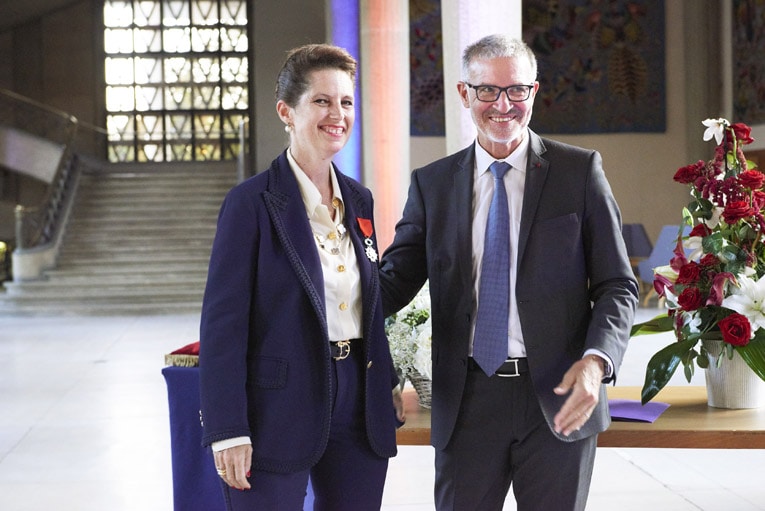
[{"x": 336, "y": 237}]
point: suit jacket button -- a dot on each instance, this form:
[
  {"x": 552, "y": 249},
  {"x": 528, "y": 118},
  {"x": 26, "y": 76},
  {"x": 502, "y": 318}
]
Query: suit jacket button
[{"x": 369, "y": 364}]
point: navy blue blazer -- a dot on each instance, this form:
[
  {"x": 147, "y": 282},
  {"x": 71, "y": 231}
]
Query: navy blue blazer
[
  {"x": 575, "y": 288},
  {"x": 264, "y": 352}
]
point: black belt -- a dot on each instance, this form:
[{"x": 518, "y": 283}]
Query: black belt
[
  {"x": 339, "y": 350},
  {"x": 512, "y": 367}
]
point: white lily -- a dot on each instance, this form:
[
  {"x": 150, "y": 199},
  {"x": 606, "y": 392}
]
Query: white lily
[
  {"x": 715, "y": 128},
  {"x": 749, "y": 300}
]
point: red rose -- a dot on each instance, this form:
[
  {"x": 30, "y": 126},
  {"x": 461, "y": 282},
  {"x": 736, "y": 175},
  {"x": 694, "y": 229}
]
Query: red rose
[
  {"x": 690, "y": 299},
  {"x": 758, "y": 199},
  {"x": 736, "y": 329},
  {"x": 736, "y": 210},
  {"x": 742, "y": 132},
  {"x": 709, "y": 260},
  {"x": 700, "y": 230},
  {"x": 689, "y": 273},
  {"x": 752, "y": 179},
  {"x": 688, "y": 174}
]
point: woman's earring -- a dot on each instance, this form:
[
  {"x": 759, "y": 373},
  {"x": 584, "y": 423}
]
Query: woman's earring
[{"x": 288, "y": 128}]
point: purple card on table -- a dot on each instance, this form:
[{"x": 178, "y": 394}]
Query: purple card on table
[{"x": 631, "y": 410}]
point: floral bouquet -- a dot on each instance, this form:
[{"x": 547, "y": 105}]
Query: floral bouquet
[
  {"x": 409, "y": 336},
  {"x": 718, "y": 290}
]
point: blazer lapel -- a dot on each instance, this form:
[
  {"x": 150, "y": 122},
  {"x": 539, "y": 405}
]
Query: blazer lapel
[
  {"x": 357, "y": 208},
  {"x": 536, "y": 175},
  {"x": 288, "y": 217},
  {"x": 463, "y": 214}
]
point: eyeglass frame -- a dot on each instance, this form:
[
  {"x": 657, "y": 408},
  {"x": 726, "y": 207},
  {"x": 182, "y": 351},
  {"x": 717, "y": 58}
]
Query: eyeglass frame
[{"x": 506, "y": 90}]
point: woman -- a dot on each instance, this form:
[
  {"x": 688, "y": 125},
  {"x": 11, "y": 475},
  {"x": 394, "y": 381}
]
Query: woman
[{"x": 295, "y": 372}]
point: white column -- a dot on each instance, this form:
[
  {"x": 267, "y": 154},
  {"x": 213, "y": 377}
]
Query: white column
[
  {"x": 385, "y": 109},
  {"x": 464, "y": 22}
]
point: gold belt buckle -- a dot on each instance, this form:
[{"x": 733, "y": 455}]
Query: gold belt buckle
[{"x": 345, "y": 349}]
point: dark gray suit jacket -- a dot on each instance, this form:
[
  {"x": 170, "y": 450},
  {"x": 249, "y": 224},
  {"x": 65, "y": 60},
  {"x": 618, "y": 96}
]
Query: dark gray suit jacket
[{"x": 575, "y": 288}]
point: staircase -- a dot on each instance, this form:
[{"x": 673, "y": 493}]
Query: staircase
[{"x": 138, "y": 242}]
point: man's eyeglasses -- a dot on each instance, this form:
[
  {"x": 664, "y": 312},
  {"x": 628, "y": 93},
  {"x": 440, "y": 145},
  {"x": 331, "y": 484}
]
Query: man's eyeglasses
[{"x": 491, "y": 93}]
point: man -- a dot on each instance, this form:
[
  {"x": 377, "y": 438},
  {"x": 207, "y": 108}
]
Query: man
[{"x": 559, "y": 285}]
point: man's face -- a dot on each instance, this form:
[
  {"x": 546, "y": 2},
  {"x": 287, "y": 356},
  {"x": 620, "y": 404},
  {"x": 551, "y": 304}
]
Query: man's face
[{"x": 502, "y": 123}]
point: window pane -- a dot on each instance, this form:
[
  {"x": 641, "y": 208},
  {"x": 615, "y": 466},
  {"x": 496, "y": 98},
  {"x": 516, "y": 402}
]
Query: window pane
[
  {"x": 147, "y": 13},
  {"x": 234, "y": 97},
  {"x": 207, "y": 97},
  {"x": 147, "y": 40},
  {"x": 150, "y": 152},
  {"x": 204, "y": 12},
  {"x": 178, "y": 126},
  {"x": 119, "y": 71},
  {"x": 176, "y": 40},
  {"x": 176, "y": 13},
  {"x": 118, "y": 40},
  {"x": 120, "y": 99},
  {"x": 120, "y": 127},
  {"x": 205, "y": 39},
  {"x": 177, "y": 97},
  {"x": 149, "y": 127},
  {"x": 180, "y": 151},
  {"x": 233, "y": 39},
  {"x": 148, "y": 70},
  {"x": 206, "y": 70},
  {"x": 233, "y": 12},
  {"x": 148, "y": 98},
  {"x": 177, "y": 69},
  {"x": 117, "y": 13},
  {"x": 234, "y": 69},
  {"x": 207, "y": 151}
]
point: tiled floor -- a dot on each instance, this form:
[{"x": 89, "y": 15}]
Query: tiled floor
[{"x": 84, "y": 427}]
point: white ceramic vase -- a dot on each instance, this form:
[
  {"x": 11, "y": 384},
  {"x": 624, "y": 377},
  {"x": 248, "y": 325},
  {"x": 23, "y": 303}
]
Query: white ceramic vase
[{"x": 733, "y": 384}]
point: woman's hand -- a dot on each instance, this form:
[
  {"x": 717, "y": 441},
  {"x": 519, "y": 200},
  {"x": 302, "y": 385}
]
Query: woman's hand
[
  {"x": 233, "y": 465},
  {"x": 398, "y": 404}
]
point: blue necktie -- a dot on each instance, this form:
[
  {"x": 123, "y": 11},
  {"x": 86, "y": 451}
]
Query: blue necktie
[{"x": 490, "y": 337}]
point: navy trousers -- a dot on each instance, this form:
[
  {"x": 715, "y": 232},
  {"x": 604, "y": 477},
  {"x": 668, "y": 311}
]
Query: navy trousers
[{"x": 348, "y": 477}]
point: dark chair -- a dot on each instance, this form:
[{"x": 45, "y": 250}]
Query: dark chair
[
  {"x": 639, "y": 247},
  {"x": 637, "y": 241}
]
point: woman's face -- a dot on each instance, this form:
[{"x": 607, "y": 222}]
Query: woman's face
[{"x": 323, "y": 117}]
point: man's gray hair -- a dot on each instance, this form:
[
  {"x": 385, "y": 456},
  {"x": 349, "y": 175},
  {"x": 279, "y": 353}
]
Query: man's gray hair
[{"x": 494, "y": 46}]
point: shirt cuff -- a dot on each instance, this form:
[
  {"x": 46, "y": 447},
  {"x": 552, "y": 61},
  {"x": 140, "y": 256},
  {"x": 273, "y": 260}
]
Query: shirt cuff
[
  {"x": 230, "y": 442},
  {"x": 608, "y": 367}
]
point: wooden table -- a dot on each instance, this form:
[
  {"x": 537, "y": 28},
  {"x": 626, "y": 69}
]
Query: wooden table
[{"x": 688, "y": 423}]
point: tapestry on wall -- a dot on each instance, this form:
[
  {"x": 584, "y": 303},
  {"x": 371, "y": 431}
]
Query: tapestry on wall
[
  {"x": 748, "y": 34},
  {"x": 601, "y": 65},
  {"x": 426, "y": 69}
]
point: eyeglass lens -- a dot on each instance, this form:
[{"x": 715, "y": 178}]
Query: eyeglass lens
[{"x": 491, "y": 93}]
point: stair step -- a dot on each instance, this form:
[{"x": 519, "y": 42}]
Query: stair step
[{"x": 136, "y": 242}]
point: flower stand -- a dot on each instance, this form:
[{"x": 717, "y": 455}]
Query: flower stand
[{"x": 733, "y": 384}]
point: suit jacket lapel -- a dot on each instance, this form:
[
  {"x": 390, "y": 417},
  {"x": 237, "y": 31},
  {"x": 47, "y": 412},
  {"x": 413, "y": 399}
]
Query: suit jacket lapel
[
  {"x": 536, "y": 175},
  {"x": 288, "y": 217},
  {"x": 356, "y": 207},
  {"x": 463, "y": 214}
]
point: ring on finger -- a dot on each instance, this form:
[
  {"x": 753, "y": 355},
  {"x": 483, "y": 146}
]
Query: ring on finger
[{"x": 221, "y": 471}]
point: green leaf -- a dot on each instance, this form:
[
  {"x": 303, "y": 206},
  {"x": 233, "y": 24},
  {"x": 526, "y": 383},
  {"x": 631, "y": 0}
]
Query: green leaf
[
  {"x": 662, "y": 366},
  {"x": 754, "y": 354},
  {"x": 661, "y": 323}
]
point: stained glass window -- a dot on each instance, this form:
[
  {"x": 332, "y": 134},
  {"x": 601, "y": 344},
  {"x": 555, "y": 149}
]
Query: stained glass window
[{"x": 177, "y": 76}]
